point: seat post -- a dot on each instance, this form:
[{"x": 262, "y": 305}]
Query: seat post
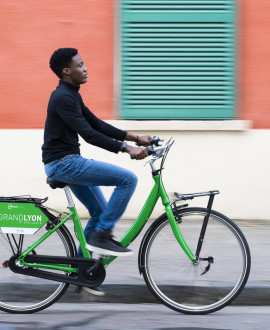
[{"x": 69, "y": 197}]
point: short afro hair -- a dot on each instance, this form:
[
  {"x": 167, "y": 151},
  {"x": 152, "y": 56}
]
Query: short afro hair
[{"x": 61, "y": 59}]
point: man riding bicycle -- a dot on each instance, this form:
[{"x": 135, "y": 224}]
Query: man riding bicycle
[{"x": 68, "y": 117}]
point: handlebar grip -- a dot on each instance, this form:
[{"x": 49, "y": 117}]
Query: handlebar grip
[
  {"x": 154, "y": 140},
  {"x": 149, "y": 150}
]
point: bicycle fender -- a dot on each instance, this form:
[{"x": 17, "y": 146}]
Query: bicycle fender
[{"x": 74, "y": 252}]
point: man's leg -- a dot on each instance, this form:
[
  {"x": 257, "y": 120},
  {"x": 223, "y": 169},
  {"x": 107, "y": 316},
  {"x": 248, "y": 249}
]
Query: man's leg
[
  {"x": 80, "y": 171},
  {"x": 100, "y": 240},
  {"x": 93, "y": 199}
]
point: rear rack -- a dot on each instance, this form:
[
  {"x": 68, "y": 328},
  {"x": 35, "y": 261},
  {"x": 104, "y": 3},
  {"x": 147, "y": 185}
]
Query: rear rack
[{"x": 23, "y": 199}]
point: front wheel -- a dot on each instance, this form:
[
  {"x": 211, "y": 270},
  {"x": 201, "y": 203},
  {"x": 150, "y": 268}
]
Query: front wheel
[{"x": 194, "y": 288}]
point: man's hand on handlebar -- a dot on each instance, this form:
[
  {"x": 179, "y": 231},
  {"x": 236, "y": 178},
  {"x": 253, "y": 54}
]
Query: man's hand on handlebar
[
  {"x": 136, "y": 152},
  {"x": 143, "y": 140},
  {"x": 139, "y": 140}
]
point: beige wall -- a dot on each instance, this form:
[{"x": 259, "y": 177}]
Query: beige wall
[{"x": 231, "y": 158}]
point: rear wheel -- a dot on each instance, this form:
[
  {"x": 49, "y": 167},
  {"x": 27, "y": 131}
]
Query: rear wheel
[
  {"x": 215, "y": 281},
  {"x": 26, "y": 294}
]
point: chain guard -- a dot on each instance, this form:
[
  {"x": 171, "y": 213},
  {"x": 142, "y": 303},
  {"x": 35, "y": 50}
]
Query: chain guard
[{"x": 91, "y": 272}]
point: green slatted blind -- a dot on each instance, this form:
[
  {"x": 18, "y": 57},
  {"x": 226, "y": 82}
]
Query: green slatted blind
[{"x": 177, "y": 59}]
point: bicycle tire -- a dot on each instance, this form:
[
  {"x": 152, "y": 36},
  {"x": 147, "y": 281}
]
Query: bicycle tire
[
  {"x": 177, "y": 282},
  {"x": 26, "y": 294}
]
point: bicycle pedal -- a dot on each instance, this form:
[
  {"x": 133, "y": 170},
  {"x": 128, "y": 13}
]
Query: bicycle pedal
[{"x": 104, "y": 256}]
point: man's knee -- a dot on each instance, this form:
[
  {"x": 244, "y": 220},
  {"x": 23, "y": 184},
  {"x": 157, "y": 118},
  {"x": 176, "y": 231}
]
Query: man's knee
[
  {"x": 132, "y": 179},
  {"x": 135, "y": 179}
]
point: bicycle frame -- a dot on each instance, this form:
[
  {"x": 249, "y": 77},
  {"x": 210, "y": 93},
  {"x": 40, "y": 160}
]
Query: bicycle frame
[{"x": 157, "y": 192}]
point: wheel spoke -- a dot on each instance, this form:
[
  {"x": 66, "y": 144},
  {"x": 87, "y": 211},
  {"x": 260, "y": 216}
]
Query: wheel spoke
[
  {"x": 11, "y": 245},
  {"x": 5, "y": 243}
]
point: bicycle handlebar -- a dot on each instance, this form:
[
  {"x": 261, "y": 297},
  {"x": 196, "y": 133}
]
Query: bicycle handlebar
[
  {"x": 150, "y": 150},
  {"x": 155, "y": 140}
]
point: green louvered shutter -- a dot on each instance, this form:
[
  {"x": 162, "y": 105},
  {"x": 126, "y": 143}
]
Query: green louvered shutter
[{"x": 177, "y": 59}]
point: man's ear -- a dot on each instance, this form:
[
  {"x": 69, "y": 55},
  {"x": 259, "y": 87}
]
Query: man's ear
[{"x": 66, "y": 71}]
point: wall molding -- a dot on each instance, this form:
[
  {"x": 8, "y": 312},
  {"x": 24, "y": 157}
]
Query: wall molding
[{"x": 182, "y": 125}]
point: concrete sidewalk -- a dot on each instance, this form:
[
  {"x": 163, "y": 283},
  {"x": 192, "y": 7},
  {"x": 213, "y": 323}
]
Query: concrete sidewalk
[{"x": 124, "y": 284}]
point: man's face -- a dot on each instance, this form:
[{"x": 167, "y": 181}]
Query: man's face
[{"x": 77, "y": 71}]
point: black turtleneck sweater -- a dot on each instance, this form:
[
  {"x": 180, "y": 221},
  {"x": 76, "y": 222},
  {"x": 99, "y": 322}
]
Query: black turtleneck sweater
[{"x": 67, "y": 116}]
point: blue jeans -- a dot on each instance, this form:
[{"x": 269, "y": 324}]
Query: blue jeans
[{"x": 84, "y": 176}]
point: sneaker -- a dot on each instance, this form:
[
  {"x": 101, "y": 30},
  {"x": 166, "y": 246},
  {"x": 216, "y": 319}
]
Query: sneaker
[
  {"x": 97, "y": 291},
  {"x": 102, "y": 243},
  {"x": 112, "y": 237}
]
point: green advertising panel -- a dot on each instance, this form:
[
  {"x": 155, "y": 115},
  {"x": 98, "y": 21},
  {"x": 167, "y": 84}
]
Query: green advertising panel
[{"x": 21, "y": 218}]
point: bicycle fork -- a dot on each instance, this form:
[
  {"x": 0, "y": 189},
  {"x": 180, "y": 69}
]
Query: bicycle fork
[
  {"x": 173, "y": 222},
  {"x": 178, "y": 235},
  {"x": 176, "y": 230}
]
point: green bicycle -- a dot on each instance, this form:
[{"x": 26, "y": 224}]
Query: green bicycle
[{"x": 194, "y": 260}]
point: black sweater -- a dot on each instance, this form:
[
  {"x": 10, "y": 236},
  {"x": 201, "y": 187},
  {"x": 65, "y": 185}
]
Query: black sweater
[{"x": 67, "y": 116}]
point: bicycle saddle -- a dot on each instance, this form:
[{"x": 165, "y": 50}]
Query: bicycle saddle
[{"x": 55, "y": 184}]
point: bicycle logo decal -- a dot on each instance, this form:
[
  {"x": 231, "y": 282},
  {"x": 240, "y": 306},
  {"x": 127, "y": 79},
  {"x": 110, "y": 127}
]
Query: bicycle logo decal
[{"x": 12, "y": 206}]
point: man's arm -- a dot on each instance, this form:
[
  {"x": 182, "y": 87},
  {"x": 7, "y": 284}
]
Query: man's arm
[
  {"x": 103, "y": 127},
  {"x": 139, "y": 140},
  {"x": 116, "y": 133},
  {"x": 66, "y": 108},
  {"x": 112, "y": 131}
]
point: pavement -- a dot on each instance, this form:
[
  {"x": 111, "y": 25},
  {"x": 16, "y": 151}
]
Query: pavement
[{"x": 124, "y": 284}]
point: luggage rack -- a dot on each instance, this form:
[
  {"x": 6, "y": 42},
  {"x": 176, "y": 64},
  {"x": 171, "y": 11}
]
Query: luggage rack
[{"x": 23, "y": 199}]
